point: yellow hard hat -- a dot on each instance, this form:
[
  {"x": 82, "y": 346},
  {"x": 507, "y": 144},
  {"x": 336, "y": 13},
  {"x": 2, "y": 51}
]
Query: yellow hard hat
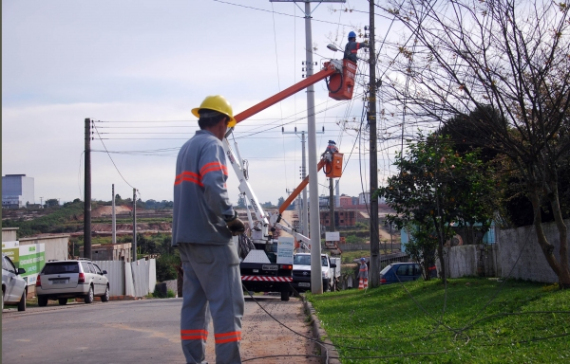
[{"x": 217, "y": 103}]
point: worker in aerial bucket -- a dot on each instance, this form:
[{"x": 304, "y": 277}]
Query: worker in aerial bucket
[
  {"x": 203, "y": 224},
  {"x": 352, "y": 47}
]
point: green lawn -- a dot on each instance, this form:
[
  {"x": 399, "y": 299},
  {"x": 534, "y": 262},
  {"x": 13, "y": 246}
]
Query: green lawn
[{"x": 417, "y": 322}]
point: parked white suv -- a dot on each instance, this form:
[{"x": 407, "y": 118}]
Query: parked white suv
[
  {"x": 63, "y": 279},
  {"x": 13, "y": 285}
]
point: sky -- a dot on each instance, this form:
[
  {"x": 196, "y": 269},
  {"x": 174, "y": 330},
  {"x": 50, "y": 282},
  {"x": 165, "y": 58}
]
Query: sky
[{"x": 137, "y": 68}]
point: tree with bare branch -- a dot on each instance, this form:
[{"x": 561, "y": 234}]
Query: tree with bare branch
[{"x": 511, "y": 58}]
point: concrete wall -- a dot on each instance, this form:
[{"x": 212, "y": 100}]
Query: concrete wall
[
  {"x": 519, "y": 255},
  {"x": 470, "y": 260},
  {"x": 10, "y": 234},
  {"x": 55, "y": 246}
]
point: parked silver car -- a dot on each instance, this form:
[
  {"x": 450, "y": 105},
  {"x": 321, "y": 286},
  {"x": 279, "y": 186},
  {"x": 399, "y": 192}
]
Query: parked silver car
[
  {"x": 14, "y": 287},
  {"x": 64, "y": 279}
]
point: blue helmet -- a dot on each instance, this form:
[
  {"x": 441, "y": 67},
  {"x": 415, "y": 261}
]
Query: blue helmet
[{"x": 351, "y": 35}]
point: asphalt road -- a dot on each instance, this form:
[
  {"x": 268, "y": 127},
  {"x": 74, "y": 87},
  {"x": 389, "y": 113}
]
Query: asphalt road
[{"x": 143, "y": 331}]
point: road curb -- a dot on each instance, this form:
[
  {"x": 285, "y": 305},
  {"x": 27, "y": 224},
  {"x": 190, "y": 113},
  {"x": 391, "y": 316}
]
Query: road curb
[{"x": 330, "y": 355}]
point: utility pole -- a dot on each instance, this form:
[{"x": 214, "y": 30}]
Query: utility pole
[
  {"x": 134, "y": 224},
  {"x": 87, "y": 197},
  {"x": 315, "y": 228},
  {"x": 374, "y": 233},
  {"x": 331, "y": 203},
  {"x": 114, "y": 217},
  {"x": 305, "y": 212}
]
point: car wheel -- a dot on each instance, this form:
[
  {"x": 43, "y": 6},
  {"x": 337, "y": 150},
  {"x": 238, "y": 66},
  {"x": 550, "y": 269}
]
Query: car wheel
[
  {"x": 22, "y": 303},
  {"x": 89, "y": 297},
  {"x": 42, "y": 301},
  {"x": 63, "y": 301},
  {"x": 105, "y": 297},
  {"x": 2, "y": 300}
]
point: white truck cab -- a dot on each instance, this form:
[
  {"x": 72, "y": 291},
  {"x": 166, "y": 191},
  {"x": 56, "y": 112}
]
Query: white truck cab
[{"x": 330, "y": 271}]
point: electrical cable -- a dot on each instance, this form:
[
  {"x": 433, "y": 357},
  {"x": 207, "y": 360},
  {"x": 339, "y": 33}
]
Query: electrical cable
[
  {"x": 269, "y": 11},
  {"x": 108, "y": 154}
]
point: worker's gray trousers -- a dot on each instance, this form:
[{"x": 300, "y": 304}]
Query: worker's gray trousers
[{"x": 212, "y": 282}]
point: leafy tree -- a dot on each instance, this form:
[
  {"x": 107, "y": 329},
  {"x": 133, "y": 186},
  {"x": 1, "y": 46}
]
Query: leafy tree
[
  {"x": 166, "y": 266},
  {"x": 436, "y": 187},
  {"x": 422, "y": 245},
  {"x": 241, "y": 201},
  {"x": 514, "y": 57},
  {"x": 52, "y": 202}
]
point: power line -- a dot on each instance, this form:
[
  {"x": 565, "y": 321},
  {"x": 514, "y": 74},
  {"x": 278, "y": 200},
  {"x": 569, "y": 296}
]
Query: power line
[{"x": 275, "y": 12}]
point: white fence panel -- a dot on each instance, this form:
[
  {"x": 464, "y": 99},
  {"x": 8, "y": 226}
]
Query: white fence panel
[
  {"x": 129, "y": 286},
  {"x": 115, "y": 274},
  {"x": 140, "y": 270},
  {"x": 152, "y": 275}
]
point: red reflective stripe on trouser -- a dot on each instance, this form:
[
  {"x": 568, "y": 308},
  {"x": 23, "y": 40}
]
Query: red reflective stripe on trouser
[
  {"x": 228, "y": 337},
  {"x": 193, "y": 334}
]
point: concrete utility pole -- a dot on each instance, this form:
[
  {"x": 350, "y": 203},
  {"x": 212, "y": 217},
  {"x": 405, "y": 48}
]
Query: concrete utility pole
[
  {"x": 331, "y": 203},
  {"x": 113, "y": 218},
  {"x": 305, "y": 211},
  {"x": 374, "y": 231},
  {"x": 134, "y": 224},
  {"x": 315, "y": 228},
  {"x": 87, "y": 197}
]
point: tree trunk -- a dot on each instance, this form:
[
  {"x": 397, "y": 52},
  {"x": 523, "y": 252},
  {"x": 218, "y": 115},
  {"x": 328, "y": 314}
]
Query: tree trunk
[
  {"x": 440, "y": 238},
  {"x": 564, "y": 274},
  {"x": 547, "y": 248}
]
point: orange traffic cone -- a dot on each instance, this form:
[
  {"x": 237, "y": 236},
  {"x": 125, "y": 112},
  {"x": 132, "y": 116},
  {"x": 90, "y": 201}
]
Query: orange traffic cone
[{"x": 365, "y": 283}]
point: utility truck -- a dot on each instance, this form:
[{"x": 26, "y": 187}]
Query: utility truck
[{"x": 266, "y": 262}]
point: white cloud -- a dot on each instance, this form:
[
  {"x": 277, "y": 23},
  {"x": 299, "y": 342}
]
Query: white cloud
[{"x": 140, "y": 60}]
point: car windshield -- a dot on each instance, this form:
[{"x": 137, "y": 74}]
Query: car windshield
[
  {"x": 324, "y": 261},
  {"x": 302, "y": 259},
  {"x": 386, "y": 269},
  {"x": 61, "y": 268}
]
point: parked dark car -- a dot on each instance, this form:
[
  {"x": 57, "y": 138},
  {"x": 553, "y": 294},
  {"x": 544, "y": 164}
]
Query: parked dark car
[{"x": 400, "y": 272}]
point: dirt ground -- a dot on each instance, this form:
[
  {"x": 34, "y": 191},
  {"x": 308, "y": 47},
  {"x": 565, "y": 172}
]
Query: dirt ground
[{"x": 264, "y": 341}]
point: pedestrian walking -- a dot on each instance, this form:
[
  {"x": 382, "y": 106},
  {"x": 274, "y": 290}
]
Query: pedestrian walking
[
  {"x": 363, "y": 274},
  {"x": 203, "y": 224}
]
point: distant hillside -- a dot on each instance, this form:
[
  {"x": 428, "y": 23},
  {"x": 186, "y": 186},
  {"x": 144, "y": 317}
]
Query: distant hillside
[{"x": 69, "y": 219}]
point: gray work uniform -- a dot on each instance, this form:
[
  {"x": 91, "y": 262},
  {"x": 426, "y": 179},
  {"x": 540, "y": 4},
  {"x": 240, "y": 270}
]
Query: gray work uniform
[
  {"x": 212, "y": 281},
  {"x": 351, "y": 49}
]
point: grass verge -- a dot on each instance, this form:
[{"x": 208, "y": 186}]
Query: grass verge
[{"x": 419, "y": 322}]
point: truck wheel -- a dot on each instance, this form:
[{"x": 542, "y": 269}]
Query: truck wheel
[
  {"x": 285, "y": 295},
  {"x": 326, "y": 286}
]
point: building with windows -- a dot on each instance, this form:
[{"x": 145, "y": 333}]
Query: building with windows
[{"x": 17, "y": 191}]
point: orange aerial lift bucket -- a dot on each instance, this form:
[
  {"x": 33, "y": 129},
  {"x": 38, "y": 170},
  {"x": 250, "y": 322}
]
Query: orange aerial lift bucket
[
  {"x": 341, "y": 86},
  {"x": 334, "y": 169}
]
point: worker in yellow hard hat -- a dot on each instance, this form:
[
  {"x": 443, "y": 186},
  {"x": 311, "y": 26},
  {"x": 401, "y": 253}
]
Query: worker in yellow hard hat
[{"x": 203, "y": 224}]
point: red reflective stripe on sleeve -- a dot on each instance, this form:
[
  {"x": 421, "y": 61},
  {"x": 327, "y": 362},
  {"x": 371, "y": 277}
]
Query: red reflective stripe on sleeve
[
  {"x": 228, "y": 337},
  {"x": 188, "y": 177},
  {"x": 214, "y": 166},
  {"x": 193, "y": 334}
]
